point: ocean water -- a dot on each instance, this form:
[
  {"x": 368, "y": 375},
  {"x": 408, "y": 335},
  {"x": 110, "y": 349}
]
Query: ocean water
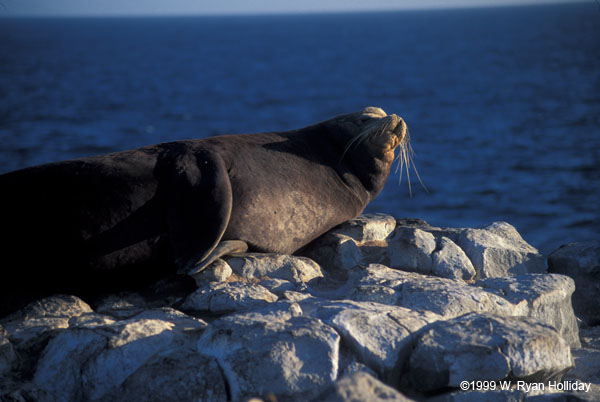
[{"x": 503, "y": 104}]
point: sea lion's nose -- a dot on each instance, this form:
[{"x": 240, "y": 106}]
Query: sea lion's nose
[{"x": 400, "y": 129}]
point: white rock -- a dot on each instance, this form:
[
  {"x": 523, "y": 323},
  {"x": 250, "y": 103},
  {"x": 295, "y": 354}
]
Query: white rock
[
  {"x": 410, "y": 249},
  {"x": 485, "y": 347},
  {"x": 83, "y": 363},
  {"x": 368, "y": 227},
  {"x": 548, "y": 298},
  {"x": 450, "y": 261},
  {"x": 277, "y": 286},
  {"x": 498, "y": 250},
  {"x": 174, "y": 375},
  {"x": 446, "y": 297},
  {"x": 226, "y": 297},
  {"x": 335, "y": 252},
  {"x": 295, "y": 358},
  {"x": 453, "y": 298},
  {"x": 42, "y": 318},
  {"x": 375, "y": 293},
  {"x": 218, "y": 271},
  {"x": 287, "y": 267},
  {"x": 58, "y": 373},
  {"x": 581, "y": 261},
  {"x": 380, "y": 335}
]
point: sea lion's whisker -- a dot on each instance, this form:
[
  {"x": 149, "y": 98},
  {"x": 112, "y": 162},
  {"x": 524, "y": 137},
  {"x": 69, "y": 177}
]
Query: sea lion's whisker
[
  {"x": 412, "y": 161},
  {"x": 406, "y": 161}
]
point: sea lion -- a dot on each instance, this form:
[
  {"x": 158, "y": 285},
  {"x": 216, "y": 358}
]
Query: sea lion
[{"x": 117, "y": 221}]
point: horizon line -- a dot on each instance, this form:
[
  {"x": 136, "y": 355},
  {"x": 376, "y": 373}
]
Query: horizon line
[{"x": 519, "y": 4}]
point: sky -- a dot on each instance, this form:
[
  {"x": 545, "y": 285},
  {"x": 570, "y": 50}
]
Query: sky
[{"x": 13, "y": 8}]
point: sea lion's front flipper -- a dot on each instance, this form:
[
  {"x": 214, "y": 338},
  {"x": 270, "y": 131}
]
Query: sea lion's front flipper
[
  {"x": 199, "y": 202},
  {"x": 224, "y": 248}
]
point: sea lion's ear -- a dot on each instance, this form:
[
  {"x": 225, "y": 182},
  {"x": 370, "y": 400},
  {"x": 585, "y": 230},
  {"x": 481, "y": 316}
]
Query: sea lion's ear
[{"x": 199, "y": 201}]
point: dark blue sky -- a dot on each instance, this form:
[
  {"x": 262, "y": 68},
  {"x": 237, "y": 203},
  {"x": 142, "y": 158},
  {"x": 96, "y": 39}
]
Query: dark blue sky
[{"x": 194, "y": 7}]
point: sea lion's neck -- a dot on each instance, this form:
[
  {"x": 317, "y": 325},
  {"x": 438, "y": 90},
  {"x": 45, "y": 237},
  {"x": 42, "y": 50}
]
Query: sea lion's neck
[{"x": 357, "y": 167}]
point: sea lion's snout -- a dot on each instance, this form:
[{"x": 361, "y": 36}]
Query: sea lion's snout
[
  {"x": 390, "y": 133},
  {"x": 398, "y": 130},
  {"x": 379, "y": 132}
]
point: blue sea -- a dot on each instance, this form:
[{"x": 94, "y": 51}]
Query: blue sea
[{"x": 503, "y": 104}]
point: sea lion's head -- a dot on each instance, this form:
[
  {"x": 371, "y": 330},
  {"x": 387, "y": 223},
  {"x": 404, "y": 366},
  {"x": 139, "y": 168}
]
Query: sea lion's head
[
  {"x": 369, "y": 139},
  {"x": 379, "y": 132}
]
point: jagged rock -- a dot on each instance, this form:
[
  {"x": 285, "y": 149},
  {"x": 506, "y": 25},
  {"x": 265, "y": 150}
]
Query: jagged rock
[
  {"x": 334, "y": 252},
  {"x": 30, "y": 328},
  {"x": 446, "y": 297},
  {"x": 360, "y": 387},
  {"x": 295, "y": 296},
  {"x": 581, "y": 261},
  {"x": 485, "y": 347},
  {"x": 287, "y": 267},
  {"x": 58, "y": 372},
  {"x": 292, "y": 358},
  {"x": 277, "y": 286},
  {"x": 493, "y": 251},
  {"x": 8, "y": 357},
  {"x": 343, "y": 246},
  {"x": 174, "y": 375},
  {"x": 450, "y": 261},
  {"x": 375, "y": 293},
  {"x": 287, "y": 332},
  {"x": 368, "y": 227},
  {"x": 410, "y": 249},
  {"x": 91, "y": 320},
  {"x": 548, "y": 298},
  {"x": 226, "y": 297},
  {"x": 90, "y": 363},
  {"x": 281, "y": 310},
  {"x": 42, "y": 317},
  {"x": 378, "y": 335},
  {"x": 58, "y": 306},
  {"x": 451, "y": 299},
  {"x": 218, "y": 271},
  {"x": 498, "y": 250}
]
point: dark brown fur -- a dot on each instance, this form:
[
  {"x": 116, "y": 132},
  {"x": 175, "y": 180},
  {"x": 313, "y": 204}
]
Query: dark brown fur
[{"x": 119, "y": 221}]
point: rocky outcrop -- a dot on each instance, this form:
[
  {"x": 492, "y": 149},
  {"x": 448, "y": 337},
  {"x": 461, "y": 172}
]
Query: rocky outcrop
[
  {"x": 290, "y": 356},
  {"x": 496, "y": 250},
  {"x": 376, "y": 309},
  {"x": 477, "y": 346},
  {"x": 581, "y": 261},
  {"x": 547, "y": 297}
]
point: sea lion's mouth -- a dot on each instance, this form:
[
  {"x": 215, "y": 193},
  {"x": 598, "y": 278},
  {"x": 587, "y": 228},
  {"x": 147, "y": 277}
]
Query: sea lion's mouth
[
  {"x": 381, "y": 134},
  {"x": 397, "y": 131}
]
